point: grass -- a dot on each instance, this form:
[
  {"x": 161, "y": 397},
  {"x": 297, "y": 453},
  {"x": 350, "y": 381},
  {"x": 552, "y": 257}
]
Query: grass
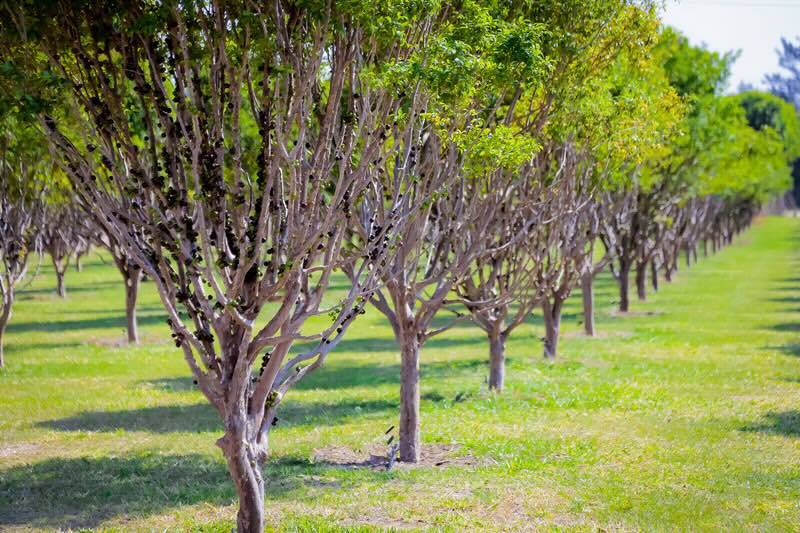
[{"x": 686, "y": 418}]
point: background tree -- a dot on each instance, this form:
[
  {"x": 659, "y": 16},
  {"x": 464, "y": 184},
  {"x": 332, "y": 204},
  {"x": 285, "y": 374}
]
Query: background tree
[
  {"x": 580, "y": 42},
  {"x": 23, "y": 168},
  {"x": 468, "y": 163},
  {"x": 61, "y": 239},
  {"x": 786, "y": 85},
  {"x": 665, "y": 176},
  {"x": 130, "y": 271}
]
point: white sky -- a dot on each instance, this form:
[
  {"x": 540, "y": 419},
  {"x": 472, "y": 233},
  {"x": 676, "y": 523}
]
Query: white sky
[{"x": 752, "y": 26}]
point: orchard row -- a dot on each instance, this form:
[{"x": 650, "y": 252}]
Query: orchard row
[{"x": 477, "y": 160}]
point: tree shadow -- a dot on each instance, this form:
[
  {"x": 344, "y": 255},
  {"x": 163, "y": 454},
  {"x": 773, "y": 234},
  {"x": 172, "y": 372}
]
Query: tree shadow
[
  {"x": 792, "y": 349},
  {"x": 140, "y": 308},
  {"x": 785, "y": 288},
  {"x": 84, "y": 492},
  {"x": 785, "y": 423},
  {"x": 12, "y": 347},
  {"x": 787, "y": 327},
  {"x": 107, "y": 322},
  {"x": 785, "y": 299},
  {"x": 343, "y": 376},
  {"x": 93, "y": 287},
  {"x": 533, "y": 319},
  {"x": 389, "y": 345},
  {"x": 201, "y": 417}
]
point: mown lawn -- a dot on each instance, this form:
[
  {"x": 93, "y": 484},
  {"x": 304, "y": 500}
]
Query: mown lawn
[{"x": 684, "y": 415}]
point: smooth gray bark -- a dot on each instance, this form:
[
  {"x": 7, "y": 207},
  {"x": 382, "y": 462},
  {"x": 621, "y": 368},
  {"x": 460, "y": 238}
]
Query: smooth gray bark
[
  {"x": 5, "y": 316},
  {"x": 61, "y": 289},
  {"x": 654, "y": 275},
  {"x": 624, "y": 283},
  {"x": 410, "y": 445},
  {"x": 552, "y": 324},
  {"x": 641, "y": 281},
  {"x": 131, "y": 294},
  {"x": 497, "y": 359},
  {"x": 244, "y": 466},
  {"x": 587, "y": 293}
]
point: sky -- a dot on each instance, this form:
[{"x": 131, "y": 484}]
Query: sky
[{"x": 752, "y": 26}]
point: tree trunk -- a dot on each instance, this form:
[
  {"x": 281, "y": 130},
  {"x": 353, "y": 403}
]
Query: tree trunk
[
  {"x": 2, "y": 334},
  {"x": 641, "y": 281},
  {"x": 131, "y": 293},
  {"x": 244, "y": 466},
  {"x": 497, "y": 359},
  {"x": 61, "y": 289},
  {"x": 705, "y": 247},
  {"x": 410, "y": 445},
  {"x": 654, "y": 275},
  {"x": 78, "y": 264},
  {"x": 668, "y": 274},
  {"x": 624, "y": 275},
  {"x": 5, "y": 315},
  {"x": 587, "y": 291},
  {"x": 552, "y": 323}
]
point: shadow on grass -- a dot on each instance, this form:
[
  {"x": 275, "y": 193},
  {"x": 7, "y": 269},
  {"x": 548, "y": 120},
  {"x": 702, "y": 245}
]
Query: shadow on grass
[
  {"x": 785, "y": 288},
  {"x": 12, "y": 347},
  {"x": 198, "y": 418},
  {"x": 343, "y": 376},
  {"x": 785, "y": 299},
  {"x": 146, "y": 308},
  {"x": 94, "y": 287},
  {"x": 84, "y": 492},
  {"x": 388, "y": 344},
  {"x": 533, "y": 319},
  {"x": 785, "y": 423},
  {"x": 106, "y": 322},
  {"x": 792, "y": 349},
  {"x": 786, "y": 327}
]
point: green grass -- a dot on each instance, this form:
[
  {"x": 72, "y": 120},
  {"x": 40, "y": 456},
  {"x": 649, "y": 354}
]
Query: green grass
[{"x": 686, "y": 418}]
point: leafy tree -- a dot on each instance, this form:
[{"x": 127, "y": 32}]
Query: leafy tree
[
  {"x": 765, "y": 110},
  {"x": 467, "y": 163},
  {"x": 564, "y": 111},
  {"x": 666, "y": 177}
]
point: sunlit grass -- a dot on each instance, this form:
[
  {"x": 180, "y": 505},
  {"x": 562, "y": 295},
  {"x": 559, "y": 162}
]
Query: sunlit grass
[{"x": 687, "y": 418}]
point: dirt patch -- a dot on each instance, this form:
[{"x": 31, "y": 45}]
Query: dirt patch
[
  {"x": 11, "y": 450},
  {"x": 122, "y": 341},
  {"x": 376, "y": 457}
]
